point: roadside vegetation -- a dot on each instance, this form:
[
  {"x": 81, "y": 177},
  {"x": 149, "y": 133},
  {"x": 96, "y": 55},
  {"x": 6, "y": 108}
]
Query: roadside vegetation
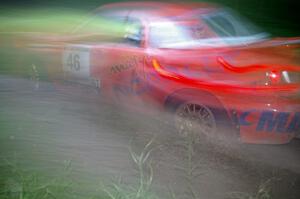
[
  {"x": 22, "y": 29},
  {"x": 17, "y": 182}
]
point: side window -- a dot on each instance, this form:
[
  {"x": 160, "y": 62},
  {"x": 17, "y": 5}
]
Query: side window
[
  {"x": 222, "y": 25},
  {"x": 133, "y": 32},
  {"x": 101, "y": 29},
  {"x": 112, "y": 28}
]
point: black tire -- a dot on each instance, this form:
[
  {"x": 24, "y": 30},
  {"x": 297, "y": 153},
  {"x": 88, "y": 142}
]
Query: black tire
[{"x": 214, "y": 116}]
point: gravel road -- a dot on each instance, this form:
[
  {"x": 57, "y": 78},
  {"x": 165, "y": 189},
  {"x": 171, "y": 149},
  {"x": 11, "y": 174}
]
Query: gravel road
[{"x": 45, "y": 127}]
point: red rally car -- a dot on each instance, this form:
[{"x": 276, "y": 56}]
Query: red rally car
[{"x": 203, "y": 63}]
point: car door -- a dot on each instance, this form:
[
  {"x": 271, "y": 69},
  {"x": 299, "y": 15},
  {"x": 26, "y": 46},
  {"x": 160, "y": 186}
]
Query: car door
[
  {"x": 87, "y": 53},
  {"x": 127, "y": 70}
]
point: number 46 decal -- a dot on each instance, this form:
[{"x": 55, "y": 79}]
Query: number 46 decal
[{"x": 73, "y": 61}]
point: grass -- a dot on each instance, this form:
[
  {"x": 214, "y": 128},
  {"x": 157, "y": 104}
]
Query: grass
[
  {"x": 19, "y": 183},
  {"x": 191, "y": 171},
  {"x": 22, "y": 184},
  {"x": 52, "y": 20},
  {"x": 142, "y": 189},
  {"x": 20, "y": 28},
  {"x": 263, "y": 192}
]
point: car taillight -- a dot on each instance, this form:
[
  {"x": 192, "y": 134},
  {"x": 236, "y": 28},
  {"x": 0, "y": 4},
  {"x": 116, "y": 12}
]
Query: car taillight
[
  {"x": 284, "y": 77},
  {"x": 273, "y": 77}
]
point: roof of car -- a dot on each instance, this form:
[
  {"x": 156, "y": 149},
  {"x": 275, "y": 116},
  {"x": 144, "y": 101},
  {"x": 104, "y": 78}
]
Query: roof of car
[{"x": 153, "y": 9}]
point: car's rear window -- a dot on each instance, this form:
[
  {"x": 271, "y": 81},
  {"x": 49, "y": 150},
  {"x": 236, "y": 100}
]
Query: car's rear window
[{"x": 221, "y": 27}]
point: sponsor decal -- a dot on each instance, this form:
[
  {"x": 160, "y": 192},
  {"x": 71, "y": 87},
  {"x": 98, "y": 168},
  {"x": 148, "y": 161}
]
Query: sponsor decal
[
  {"x": 243, "y": 119},
  {"x": 129, "y": 62},
  {"x": 137, "y": 87},
  {"x": 271, "y": 121}
]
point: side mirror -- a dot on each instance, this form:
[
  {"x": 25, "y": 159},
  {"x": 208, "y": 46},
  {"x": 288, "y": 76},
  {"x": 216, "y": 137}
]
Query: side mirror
[{"x": 133, "y": 39}]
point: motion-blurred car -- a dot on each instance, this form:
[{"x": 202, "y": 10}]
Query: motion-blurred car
[{"x": 203, "y": 63}]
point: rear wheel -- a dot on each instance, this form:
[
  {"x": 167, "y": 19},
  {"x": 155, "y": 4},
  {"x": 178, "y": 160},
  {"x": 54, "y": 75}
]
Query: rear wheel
[
  {"x": 201, "y": 117},
  {"x": 195, "y": 119}
]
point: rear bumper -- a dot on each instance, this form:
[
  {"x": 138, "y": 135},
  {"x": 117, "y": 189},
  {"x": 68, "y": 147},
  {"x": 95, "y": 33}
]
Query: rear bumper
[{"x": 277, "y": 122}]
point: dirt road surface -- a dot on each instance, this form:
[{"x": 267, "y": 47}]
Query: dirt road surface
[{"x": 43, "y": 128}]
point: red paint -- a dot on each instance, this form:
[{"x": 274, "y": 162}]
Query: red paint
[{"x": 234, "y": 75}]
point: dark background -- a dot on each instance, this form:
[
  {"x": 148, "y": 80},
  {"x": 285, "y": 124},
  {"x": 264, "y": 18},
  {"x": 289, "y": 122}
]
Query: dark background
[{"x": 279, "y": 17}]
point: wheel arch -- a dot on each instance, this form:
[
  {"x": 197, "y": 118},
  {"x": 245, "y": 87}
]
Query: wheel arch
[{"x": 184, "y": 94}]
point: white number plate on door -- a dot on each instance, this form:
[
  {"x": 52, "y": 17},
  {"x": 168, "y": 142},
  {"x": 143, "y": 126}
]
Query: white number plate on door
[{"x": 76, "y": 60}]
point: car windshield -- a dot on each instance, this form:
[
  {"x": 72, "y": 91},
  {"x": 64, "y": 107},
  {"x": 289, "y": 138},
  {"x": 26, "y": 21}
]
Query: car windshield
[{"x": 222, "y": 27}]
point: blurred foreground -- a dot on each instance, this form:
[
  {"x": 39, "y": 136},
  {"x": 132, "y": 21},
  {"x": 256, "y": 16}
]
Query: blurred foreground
[{"x": 76, "y": 146}]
